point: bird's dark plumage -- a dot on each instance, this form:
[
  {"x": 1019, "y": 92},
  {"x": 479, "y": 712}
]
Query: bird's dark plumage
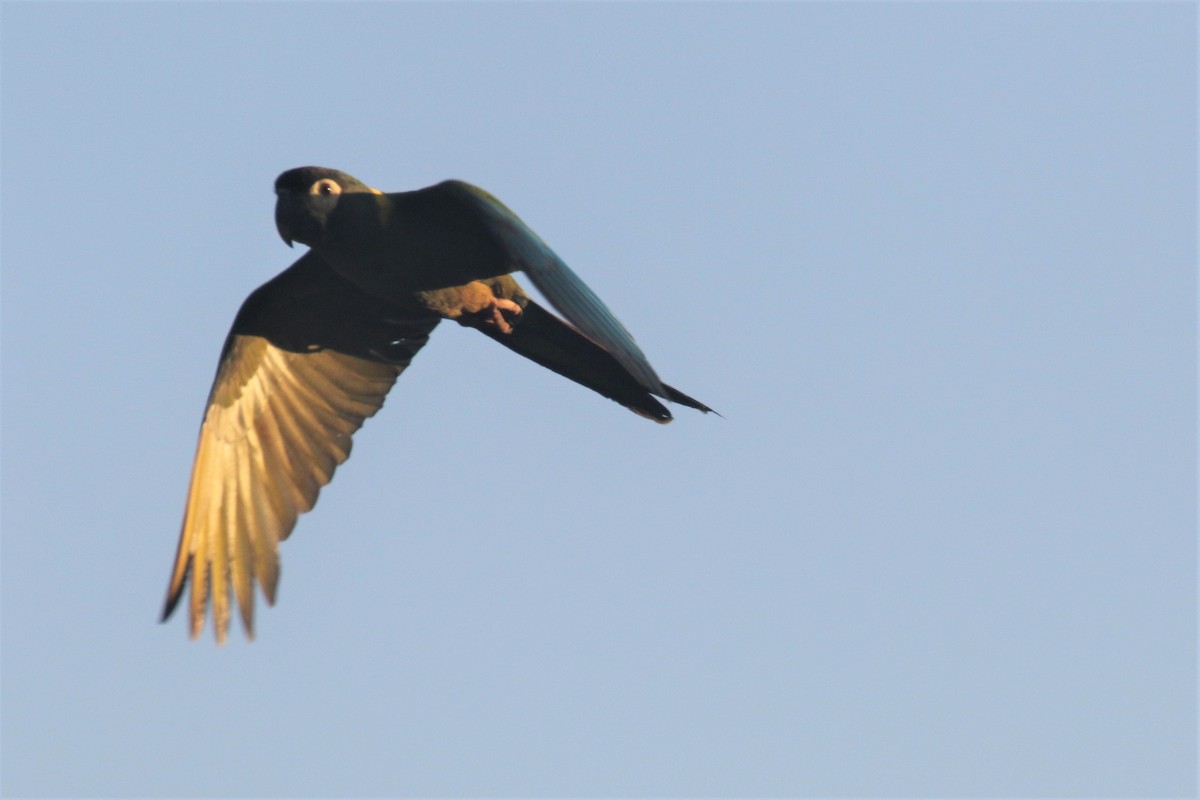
[
  {"x": 313, "y": 353},
  {"x": 545, "y": 339}
]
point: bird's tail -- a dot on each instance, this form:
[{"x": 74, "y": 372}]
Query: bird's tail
[{"x": 547, "y": 340}]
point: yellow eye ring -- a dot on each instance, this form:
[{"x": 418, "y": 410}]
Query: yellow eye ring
[{"x": 325, "y": 188}]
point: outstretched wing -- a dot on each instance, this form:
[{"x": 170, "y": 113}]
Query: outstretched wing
[
  {"x": 565, "y": 290},
  {"x": 309, "y": 358},
  {"x": 454, "y": 233}
]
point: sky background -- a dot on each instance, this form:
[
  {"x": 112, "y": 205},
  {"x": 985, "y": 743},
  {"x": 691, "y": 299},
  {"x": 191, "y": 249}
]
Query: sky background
[{"x": 934, "y": 263}]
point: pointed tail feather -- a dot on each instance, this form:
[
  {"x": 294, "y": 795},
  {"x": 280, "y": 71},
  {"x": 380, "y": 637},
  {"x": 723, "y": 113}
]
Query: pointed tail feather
[{"x": 545, "y": 339}]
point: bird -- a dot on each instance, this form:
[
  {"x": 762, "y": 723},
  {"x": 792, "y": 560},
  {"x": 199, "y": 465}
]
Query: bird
[{"x": 313, "y": 352}]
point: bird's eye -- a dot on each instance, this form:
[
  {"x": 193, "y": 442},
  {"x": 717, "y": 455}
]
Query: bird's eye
[{"x": 325, "y": 188}]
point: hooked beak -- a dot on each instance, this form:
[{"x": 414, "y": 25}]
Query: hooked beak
[{"x": 284, "y": 210}]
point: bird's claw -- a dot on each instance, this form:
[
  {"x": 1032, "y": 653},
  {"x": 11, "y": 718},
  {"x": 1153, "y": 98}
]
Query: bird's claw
[
  {"x": 475, "y": 305},
  {"x": 494, "y": 314}
]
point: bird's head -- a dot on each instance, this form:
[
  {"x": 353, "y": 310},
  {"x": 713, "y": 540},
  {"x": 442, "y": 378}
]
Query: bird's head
[{"x": 305, "y": 197}]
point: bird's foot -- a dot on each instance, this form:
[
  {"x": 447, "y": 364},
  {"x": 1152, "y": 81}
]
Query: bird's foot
[
  {"x": 498, "y": 313},
  {"x": 481, "y": 308},
  {"x": 475, "y": 305}
]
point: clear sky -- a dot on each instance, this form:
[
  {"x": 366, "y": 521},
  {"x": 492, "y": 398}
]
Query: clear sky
[{"x": 935, "y": 264}]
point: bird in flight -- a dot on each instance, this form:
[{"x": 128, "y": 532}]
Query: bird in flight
[{"x": 314, "y": 351}]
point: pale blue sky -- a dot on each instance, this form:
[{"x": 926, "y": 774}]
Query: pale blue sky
[{"x": 934, "y": 263}]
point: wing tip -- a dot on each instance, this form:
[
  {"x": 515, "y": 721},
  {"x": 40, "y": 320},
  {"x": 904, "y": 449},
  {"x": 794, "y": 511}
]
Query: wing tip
[
  {"x": 175, "y": 588},
  {"x": 676, "y": 396}
]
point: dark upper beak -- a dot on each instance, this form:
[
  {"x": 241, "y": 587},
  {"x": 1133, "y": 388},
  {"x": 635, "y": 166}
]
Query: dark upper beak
[{"x": 285, "y": 210}]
